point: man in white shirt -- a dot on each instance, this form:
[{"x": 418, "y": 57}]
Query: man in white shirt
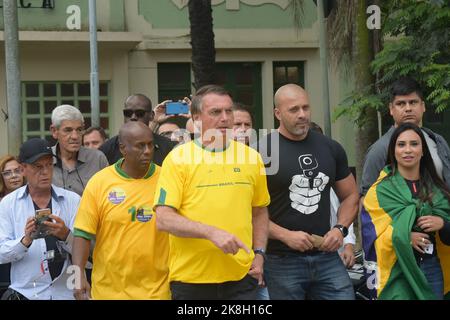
[
  {"x": 347, "y": 251},
  {"x": 38, "y": 250}
]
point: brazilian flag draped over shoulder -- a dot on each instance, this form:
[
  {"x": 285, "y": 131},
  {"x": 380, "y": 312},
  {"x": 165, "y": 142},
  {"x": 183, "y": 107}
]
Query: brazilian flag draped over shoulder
[{"x": 387, "y": 219}]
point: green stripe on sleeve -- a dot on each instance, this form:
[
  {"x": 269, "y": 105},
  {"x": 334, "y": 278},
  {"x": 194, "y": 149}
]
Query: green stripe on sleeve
[
  {"x": 83, "y": 234},
  {"x": 162, "y": 196}
]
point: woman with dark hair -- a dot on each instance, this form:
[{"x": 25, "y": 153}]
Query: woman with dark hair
[
  {"x": 406, "y": 223},
  {"x": 11, "y": 175}
]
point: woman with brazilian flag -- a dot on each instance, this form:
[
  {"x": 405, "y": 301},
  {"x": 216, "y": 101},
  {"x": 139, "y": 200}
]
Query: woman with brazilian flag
[{"x": 406, "y": 223}]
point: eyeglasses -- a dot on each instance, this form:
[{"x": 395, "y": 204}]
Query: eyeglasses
[
  {"x": 166, "y": 134},
  {"x": 10, "y": 173},
  {"x": 128, "y": 113}
]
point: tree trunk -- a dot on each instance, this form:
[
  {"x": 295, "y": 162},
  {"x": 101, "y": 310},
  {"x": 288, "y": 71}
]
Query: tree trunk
[
  {"x": 367, "y": 134},
  {"x": 202, "y": 42}
]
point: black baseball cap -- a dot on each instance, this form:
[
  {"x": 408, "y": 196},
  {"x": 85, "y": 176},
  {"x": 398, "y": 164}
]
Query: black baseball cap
[{"x": 34, "y": 149}]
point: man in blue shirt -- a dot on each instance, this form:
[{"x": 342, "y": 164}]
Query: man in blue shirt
[{"x": 37, "y": 250}]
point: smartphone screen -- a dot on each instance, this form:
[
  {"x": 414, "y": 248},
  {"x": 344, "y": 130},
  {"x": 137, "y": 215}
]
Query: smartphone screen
[
  {"x": 42, "y": 215},
  {"x": 177, "y": 108},
  {"x": 41, "y": 229}
]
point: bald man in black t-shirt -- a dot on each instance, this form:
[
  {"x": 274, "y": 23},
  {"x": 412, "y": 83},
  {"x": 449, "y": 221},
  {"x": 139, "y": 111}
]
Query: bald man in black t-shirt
[{"x": 302, "y": 259}]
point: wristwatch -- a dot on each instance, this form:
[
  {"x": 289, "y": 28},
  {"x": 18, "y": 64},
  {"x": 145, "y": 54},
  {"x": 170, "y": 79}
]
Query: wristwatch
[
  {"x": 342, "y": 229},
  {"x": 260, "y": 251}
]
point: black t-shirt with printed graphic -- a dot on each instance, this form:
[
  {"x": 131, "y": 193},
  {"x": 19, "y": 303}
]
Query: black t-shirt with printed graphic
[{"x": 300, "y": 188}]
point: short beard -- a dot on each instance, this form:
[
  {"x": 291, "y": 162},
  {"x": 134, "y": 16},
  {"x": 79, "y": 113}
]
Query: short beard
[{"x": 299, "y": 132}]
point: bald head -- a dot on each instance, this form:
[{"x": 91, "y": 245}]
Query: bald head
[
  {"x": 132, "y": 130},
  {"x": 293, "y": 111},
  {"x": 140, "y": 99},
  {"x": 288, "y": 91},
  {"x": 136, "y": 145}
]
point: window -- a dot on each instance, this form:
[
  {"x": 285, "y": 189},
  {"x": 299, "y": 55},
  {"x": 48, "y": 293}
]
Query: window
[
  {"x": 285, "y": 72},
  {"x": 40, "y": 98}
]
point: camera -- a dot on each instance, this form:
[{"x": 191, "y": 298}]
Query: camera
[
  {"x": 308, "y": 163},
  {"x": 176, "y": 108}
]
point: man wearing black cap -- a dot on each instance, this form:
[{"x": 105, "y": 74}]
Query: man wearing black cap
[
  {"x": 37, "y": 245},
  {"x": 138, "y": 107}
]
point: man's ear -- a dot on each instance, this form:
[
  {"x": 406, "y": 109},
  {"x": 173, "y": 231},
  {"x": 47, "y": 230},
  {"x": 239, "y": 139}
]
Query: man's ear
[
  {"x": 390, "y": 108},
  {"x": 276, "y": 112},
  {"x": 54, "y": 132},
  {"x": 122, "y": 149}
]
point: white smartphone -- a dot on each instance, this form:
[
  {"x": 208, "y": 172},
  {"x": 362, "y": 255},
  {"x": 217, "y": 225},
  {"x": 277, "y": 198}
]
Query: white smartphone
[{"x": 429, "y": 248}]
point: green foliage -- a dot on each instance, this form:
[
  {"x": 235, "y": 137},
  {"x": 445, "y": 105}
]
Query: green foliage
[
  {"x": 417, "y": 44},
  {"x": 353, "y": 105}
]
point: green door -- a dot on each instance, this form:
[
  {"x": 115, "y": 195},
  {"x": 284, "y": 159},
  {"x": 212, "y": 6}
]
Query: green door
[
  {"x": 174, "y": 81},
  {"x": 243, "y": 81}
]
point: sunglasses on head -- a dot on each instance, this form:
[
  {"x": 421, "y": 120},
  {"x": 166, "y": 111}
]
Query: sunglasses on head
[{"x": 128, "y": 113}]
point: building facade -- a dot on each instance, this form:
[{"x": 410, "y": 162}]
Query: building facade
[{"x": 144, "y": 48}]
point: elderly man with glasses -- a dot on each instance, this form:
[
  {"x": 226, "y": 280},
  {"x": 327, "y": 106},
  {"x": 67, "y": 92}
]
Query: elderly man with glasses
[
  {"x": 74, "y": 164},
  {"x": 138, "y": 107}
]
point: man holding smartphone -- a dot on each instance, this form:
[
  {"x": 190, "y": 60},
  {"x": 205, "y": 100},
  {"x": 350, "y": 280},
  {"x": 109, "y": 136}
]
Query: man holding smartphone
[{"x": 38, "y": 260}]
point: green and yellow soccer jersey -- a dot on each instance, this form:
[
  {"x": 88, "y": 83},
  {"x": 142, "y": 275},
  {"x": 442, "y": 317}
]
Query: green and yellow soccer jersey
[
  {"x": 218, "y": 189},
  {"x": 130, "y": 256}
]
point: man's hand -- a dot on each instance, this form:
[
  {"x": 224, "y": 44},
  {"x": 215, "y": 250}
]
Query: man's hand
[
  {"x": 299, "y": 240},
  {"x": 227, "y": 242},
  {"x": 30, "y": 227},
  {"x": 332, "y": 240},
  {"x": 348, "y": 256},
  {"x": 257, "y": 270},
  {"x": 57, "y": 227},
  {"x": 160, "y": 112},
  {"x": 189, "y": 103},
  {"x": 84, "y": 292}
]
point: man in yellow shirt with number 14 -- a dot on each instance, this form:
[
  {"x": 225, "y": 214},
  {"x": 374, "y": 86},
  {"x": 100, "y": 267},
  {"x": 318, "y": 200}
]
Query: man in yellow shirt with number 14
[{"x": 130, "y": 254}]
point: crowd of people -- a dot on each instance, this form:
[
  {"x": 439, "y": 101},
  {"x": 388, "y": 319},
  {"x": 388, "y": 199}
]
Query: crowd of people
[{"x": 195, "y": 206}]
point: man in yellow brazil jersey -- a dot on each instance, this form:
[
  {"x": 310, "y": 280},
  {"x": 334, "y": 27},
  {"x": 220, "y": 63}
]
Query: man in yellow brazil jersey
[
  {"x": 130, "y": 255},
  {"x": 212, "y": 197}
]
